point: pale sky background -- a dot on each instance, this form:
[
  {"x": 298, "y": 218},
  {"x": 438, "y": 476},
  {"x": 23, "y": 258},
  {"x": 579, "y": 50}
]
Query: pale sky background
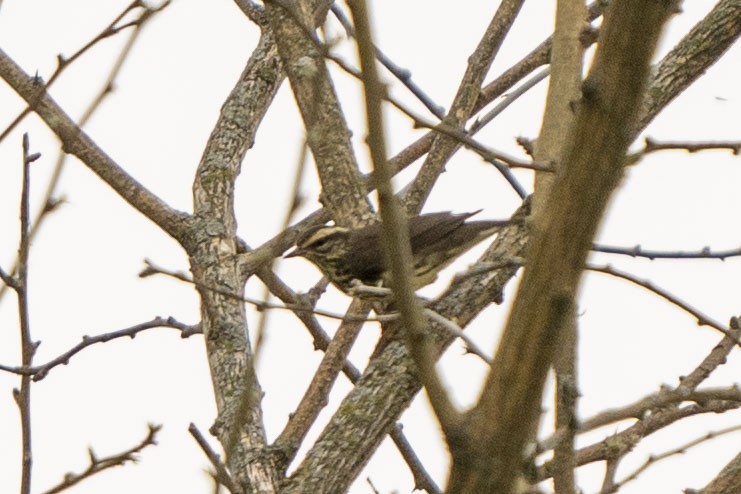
[{"x": 84, "y": 264}]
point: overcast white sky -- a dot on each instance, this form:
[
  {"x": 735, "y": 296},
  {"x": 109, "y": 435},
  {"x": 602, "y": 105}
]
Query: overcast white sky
[{"x": 85, "y": 262}]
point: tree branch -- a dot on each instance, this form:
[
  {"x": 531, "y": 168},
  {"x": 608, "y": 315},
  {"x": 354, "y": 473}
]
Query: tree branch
[
  {"x": 488, "y": 459},
  {"x": 326, "y": 129},
  {"x": 75, "y": 141},
  {"x": 97, "y": 465},
  {"x": 463, "y": 104}
]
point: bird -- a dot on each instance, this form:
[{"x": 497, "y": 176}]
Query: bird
[{"x": 436, "y": 239}]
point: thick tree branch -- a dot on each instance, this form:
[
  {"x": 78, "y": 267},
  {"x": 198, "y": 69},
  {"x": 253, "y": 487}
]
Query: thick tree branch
[
  {"x": 691, "y": 58},
  {"x": 327, "y": 132},
  {"x": 489, "y": 457},
  {"x": 728, "y": 480},
  {"x": 213, "y": 248},
  {"x": 563, "y": 90},
  {"x": 316, "y": 396}
]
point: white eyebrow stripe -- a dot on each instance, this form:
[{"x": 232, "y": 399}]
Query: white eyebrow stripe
[{"x": 322, "y": 234}]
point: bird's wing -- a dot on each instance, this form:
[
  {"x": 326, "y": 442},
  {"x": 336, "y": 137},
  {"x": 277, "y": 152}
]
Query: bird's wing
[
  {"x": 426, "y": 230},
  {"x": 365, "y": 253}
]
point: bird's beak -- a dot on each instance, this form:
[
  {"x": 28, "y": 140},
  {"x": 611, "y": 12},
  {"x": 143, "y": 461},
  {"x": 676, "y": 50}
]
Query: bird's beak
[{"x": 294, "y": 253}]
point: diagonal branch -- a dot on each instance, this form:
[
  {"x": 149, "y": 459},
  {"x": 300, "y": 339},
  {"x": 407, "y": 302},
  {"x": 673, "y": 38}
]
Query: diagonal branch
[
  {"x": 97, "y": 465},
  {"x": 389, "y": 383},
  {"x": 490, "y": 456},
  {"x": 327, "y": 132},
  {"x": 75, "y": 141},
  {"x": 50, "y": 202},
  {"x": 708, "y": 40},
  {"x": 463, "y": 104}
]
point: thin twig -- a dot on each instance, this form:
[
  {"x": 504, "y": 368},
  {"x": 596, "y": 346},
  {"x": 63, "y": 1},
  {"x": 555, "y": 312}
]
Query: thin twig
[
  {"x": 402, "y": 74},
  {"x": 536, "y": 58},
  {"x": 295, "y": 201},
  {"x": 498, "y": 159},
  {"x": 28, "y": 347},
  {"x": 458, "y": 332},
  {"x": 75, "y": 141},
  {"x": 422, "y": 479},
  {"x": 222, "y": 474},
  {"x": 260, "y": 305},
  {"x": 316, "y": 396},
  {"x": 652, "y": 146},
  {"x": 395, "y": 236},
  {"x": 110, "y": 30},
  {"x": 50, "y": 203},
  {"x": 464, "y": 106},
  {"x": 638, "y": 251},
  {"x": 97, "y": 465},
  {"x": 39, "y": 372},
  {"x": 679, "y": 450},
  {"x": 510, "y": 98},
  {"x": 623, "y": 442},
  {"x": 656, "y": 401},
  {"x": 702, "y": 319},
  {"x": 688, "y": 383}
]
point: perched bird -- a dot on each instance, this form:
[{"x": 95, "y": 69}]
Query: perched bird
[{"x": 436, "y": 239}]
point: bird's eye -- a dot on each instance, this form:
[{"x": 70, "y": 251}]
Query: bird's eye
[{"x": 318, "y": 244}]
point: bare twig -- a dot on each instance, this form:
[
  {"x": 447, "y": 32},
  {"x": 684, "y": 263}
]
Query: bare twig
[
  {"x": 222, "y": 474},
  {"x": 8, "y": 279},
  {"x": 500, "y": 160},
  {"x": 110, "y": 30},
  {"x": 509, "y": 98},
  {"x": 702, "y": 319},
  {"x": 422, "y": 479},
  {"x": 639, "y": 409},
  {"x": 97, "y": 465},
  {"x": 457, "y": 331},
  {"x": 727, "y": 480},
  {"x": 75, "y": 141},
  {"x": 260, "y": 305},
  {"x": 657, "y": 401},
  {"x": 464, "y": 102},
  {"x": 50, "y": 203},
  {"x": 513, "y": 388},
  {"x": 315, "y": 397},
  {"x": 623, "y": 442},
  {"x": 400, "y": 73},
  {"x": 679, "y": 450},
  {"x": 39, "y": 372},
  {"x": 639, "y": 251},
  {"x": 652, "y": 145},
  {"x": 28, "y": 347},
  {"x": 537, "y": 58},
  {"x": 611, "y": 467}
]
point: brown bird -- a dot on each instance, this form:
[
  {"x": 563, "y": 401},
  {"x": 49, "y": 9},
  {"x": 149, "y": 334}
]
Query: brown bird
[{"x": 436, "y": 239}]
